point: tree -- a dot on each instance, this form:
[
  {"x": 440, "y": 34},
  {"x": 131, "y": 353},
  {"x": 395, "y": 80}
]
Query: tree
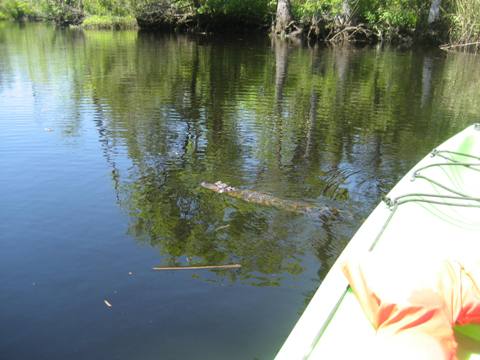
[
  {"x": 346, "y": 14},
  {"x": 434, "y": 13},
  {"x": 283, "y": 17},
  {"x": 65, "y": 12}
]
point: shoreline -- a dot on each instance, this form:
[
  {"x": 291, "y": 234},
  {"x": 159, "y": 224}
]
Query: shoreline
[
  {"x": 211, "y": 29},
  {"x": 454, "y": 26}
]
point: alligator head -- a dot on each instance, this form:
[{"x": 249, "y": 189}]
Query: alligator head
[{"x": 219, "y": 187}]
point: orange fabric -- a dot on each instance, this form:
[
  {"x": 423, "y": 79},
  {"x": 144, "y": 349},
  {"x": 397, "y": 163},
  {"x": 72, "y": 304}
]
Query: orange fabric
[{"x": 417, "y": 298}]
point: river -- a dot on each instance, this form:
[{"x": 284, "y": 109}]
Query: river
[{"x": 105, "y": 138}]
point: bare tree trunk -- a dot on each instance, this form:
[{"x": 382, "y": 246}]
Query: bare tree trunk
[
  {"x": 346, "y": 10},
  {"x": 434, "y": 13},
  {"x": 345, "y": 16},
  {"x": 284, "y": 16}
]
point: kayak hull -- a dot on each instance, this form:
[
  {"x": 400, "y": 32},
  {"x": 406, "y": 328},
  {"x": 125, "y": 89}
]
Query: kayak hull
[{"x": 333, "y": 324}]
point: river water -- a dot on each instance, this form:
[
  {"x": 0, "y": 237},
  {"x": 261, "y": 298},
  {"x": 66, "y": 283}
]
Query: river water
[{"x": 105, "y": 138}]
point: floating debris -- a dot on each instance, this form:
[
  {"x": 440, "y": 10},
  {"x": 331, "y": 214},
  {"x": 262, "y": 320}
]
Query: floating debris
[
  {"x": 48, "y": 129},
  {"x": 202, "y": 267},
  {"x": 130, "y": 273},
  {"x": 107, "y": 303}
]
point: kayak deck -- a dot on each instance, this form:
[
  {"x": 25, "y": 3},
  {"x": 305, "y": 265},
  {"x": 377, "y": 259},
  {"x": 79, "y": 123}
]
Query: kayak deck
[{"x": 425, "y": 224}]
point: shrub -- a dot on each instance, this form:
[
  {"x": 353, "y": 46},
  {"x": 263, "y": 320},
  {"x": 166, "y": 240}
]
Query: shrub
[
  {"x": 220, "y": 14},
  {"x": 108, "y": 7},
  {"x": 305, "y": 9},
  {"x": 64, "y": 13},
  {"x": 157, "y": 13},
  {"x": 465, "y": 21},
  {"x": 403, "y": 15},
  {"x": 106, "y": 22},
  {"x": 254, "y": 11},
  {"x": 18, "y": 10}
]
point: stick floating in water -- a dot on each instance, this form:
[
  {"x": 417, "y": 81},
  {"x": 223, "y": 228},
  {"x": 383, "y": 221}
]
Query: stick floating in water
[{"x": 204, "y": 267}]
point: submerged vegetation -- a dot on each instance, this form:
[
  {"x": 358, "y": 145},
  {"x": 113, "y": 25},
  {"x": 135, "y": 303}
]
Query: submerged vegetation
[{"x": 453, "y": 21}]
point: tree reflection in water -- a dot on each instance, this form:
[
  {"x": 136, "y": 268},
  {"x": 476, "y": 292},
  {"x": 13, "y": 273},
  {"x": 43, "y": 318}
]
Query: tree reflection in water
[{"x": 335, "y": 126}]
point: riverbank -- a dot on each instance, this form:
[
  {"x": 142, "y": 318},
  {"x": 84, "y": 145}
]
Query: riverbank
[
  {"x": 453, "y": 22},
  {"x": 95, "y": 15},
  {"x": 95, "y": 22}
]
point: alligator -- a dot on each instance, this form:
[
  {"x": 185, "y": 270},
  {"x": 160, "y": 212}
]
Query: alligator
[{"x": 264, "y": 199}]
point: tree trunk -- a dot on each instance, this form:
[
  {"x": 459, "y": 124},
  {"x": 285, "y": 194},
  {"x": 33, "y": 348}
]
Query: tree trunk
[
  {"x": 346, "y": 10},
  {"x": 284, "y": 16},
  {"x": 345, "y": 16},
  {"x": 434, "y": 13}
]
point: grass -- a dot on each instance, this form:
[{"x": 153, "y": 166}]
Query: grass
[
  {"x": 466, "y": 21},
  {"x": 108, "y": 22}
]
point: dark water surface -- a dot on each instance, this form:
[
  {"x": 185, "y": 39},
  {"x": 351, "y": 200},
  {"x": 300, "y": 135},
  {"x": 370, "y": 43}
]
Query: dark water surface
[{"x": 105, "y": 138}]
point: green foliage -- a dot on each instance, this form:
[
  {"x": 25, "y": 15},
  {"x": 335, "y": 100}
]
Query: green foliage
[
  {"x": 108, "y": 22},
  {"x": 258, "y": 10},
  {"x": 401, "y": 14},
  {"x": 385, "y": 17},
  {"x": 161, "y": 13},
  {"x": 465, "y": 21},
  {"x": 64, "y": 12},
  {"x": 305, "y": 9},
  {"x": 206, "y": 14},
  {"x": 17, "y": 10},
  {"x": 108, "y": 7}
]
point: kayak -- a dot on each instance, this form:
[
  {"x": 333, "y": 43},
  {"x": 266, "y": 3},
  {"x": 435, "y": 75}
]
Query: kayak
[{"x": 433, "y": 210}]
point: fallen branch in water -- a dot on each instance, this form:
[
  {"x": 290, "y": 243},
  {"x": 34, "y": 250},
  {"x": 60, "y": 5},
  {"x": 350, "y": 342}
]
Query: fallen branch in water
[
  {"x": 204, "y": 267},
  {"x": 451, "y": 46}
]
